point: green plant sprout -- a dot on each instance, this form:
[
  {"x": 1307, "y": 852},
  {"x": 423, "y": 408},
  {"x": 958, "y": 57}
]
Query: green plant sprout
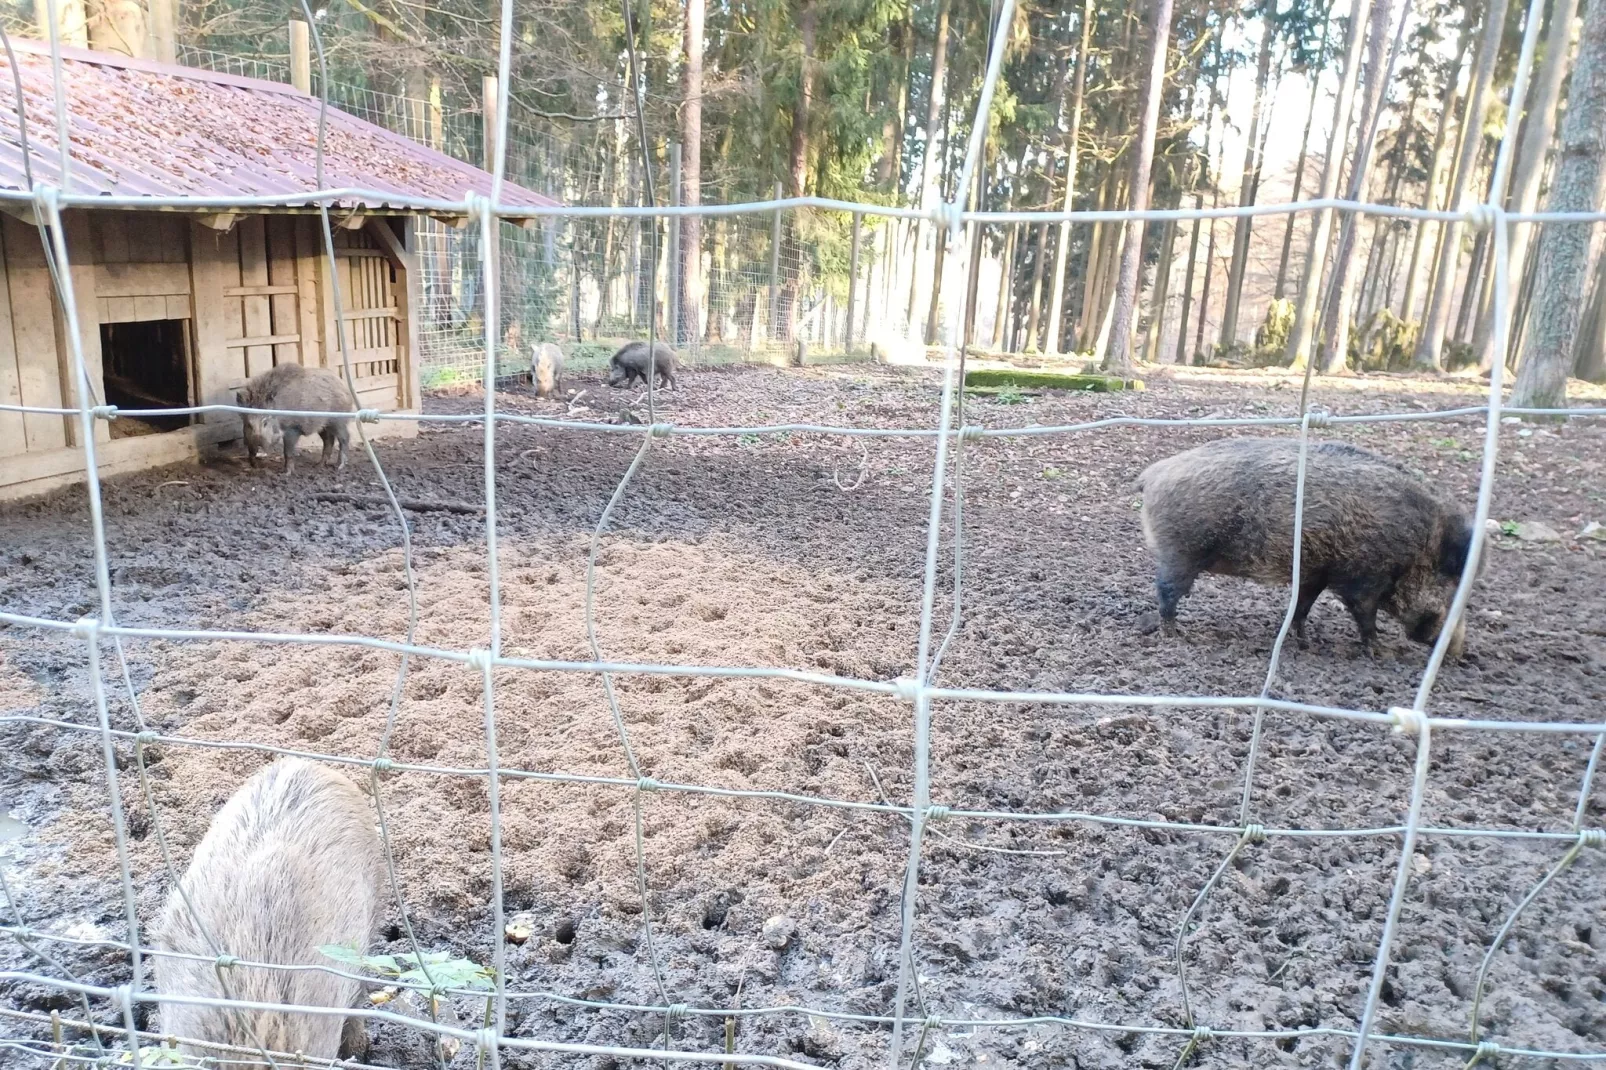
[{"x": 408, "y": 969}]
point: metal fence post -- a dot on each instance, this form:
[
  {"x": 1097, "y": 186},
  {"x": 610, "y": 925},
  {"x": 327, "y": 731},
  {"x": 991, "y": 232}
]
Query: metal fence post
[
  {"x": 675, "y": 281},
  {"x": 775, "y": 268},
  {"x": 853, "y": 282}
]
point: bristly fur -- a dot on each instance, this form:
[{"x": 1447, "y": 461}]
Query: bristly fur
[
  {"x": 1374, "y": 533},
  {"x": 291, "y": 863},
  {"x": 630, "y": 363},
  {"x": 295, "y": 388}
]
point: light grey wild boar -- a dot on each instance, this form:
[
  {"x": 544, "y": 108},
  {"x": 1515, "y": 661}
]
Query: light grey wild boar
[
  {"x": 1374, "y": 534},
  {"x": 546, "y": 369},
  {"x": 292, "y": 387},
  {"x": 631, "y": 363},
  {"x": 291, "y": 863}
]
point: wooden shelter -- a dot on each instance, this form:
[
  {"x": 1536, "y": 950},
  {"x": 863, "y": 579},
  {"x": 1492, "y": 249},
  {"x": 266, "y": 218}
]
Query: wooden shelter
[{"x": 178, "y": 308}]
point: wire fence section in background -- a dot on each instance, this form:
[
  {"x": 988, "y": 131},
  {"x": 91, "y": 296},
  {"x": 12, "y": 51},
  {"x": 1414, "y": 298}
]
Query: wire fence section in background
[{"x": 487, "y": 242}]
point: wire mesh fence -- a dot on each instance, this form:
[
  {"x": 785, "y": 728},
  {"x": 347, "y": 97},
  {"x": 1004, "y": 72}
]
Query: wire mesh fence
[{"x": 487, "y": 265}]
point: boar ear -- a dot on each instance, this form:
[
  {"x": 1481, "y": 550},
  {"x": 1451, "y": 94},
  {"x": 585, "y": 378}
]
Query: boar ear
[{"x": 239, "y": 398}]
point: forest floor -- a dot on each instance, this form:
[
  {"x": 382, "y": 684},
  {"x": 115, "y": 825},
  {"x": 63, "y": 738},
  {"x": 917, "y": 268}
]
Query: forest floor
[{"x": 746, "y": 551}]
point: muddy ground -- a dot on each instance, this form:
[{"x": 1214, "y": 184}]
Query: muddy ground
[{"x": 747, "y": 551}]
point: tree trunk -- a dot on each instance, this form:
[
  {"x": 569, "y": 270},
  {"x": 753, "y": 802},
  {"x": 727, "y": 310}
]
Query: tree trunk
[
  {"x": 1564, "y": 266},
  {"x": 1036, "y": 308},
  {"x": 1310, "y": 283},
  {"x": 1430, "y": 346},
  {"x": 928, "y": 156},
  {"x": 691, "y": 172},
  {"x": 1430, "y": 197},
  {"x": 1093, "y": 271},
  {"x": 1299, "y": 168},
  {"x": 1539, "y": 128},
  {"x": 1006, "y": 265},
  {"x": 1379, "y": 73},
  {"x": 1199, "y": 178},
  {"x": 718, "y": 296},
  {"x": 1162, "y": 290},
  {"x": 889, "y": 168},
  {"x": 1590, "y": 361},
  {"x": 939, "y": 239},
  {"x": 1246, "y": 194},
  {"x": 806, "y": 17},
  {"x": 1056, "y": 293},
  {"x": 1119, "y": 357}
]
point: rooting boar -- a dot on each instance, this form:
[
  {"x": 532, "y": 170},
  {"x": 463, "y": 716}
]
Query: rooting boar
[
  {"x": 291, "y": 863},
  {"x": 631, "y": 363},
  {"x": 292, "y": 387},
  {"x": 1374, "y": 534},
  {"x": 546, "y": 369}
]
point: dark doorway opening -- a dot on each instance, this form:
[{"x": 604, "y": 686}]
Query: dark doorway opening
[{"x": 146, "y": 366}]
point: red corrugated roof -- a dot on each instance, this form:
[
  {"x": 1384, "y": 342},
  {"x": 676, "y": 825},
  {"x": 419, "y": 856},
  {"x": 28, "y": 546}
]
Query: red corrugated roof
[{"x": 140, "y": 128}]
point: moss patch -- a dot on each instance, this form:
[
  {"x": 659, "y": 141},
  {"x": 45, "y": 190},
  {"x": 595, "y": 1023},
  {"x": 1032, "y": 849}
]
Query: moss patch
[{"x": 1041, "y": 380}]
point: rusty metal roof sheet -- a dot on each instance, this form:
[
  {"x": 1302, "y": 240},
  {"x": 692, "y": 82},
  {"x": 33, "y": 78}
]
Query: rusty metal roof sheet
[{"x": 139, "y": 128}]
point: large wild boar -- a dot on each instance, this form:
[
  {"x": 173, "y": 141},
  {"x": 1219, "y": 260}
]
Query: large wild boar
[
  {"x": 291, "y": 863},
  {"x": 1374, "y": 534},
  {"x": 630, "y": 363},
  {"x": 292, "y": 387}
]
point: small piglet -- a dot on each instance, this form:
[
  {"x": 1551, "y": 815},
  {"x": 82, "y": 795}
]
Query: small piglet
[
  {"x": 291, "y": 863},
  {"x": 1375, "y": 534},
  {"x": 546, "y": 369},
  {"x": 292, "y": 387},
  {"x": 631, "y": 363}
]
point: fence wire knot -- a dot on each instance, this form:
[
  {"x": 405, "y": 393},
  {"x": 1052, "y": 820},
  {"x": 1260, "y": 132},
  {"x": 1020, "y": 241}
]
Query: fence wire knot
[
  {"x": 225, "y": 962},
  {"x": 971, "y": 432},
  {"x": 660, "y": 430},
  {"x": 147, "y": 738},
  {"x": 1592, "y": 837},
  {"x": 479, "y": 658},
  {"x": 104, "y": 412},
  {"x": 1318, "y": 418},
  {"x": 906, "y": 688},
  {"x": 933, "y": 1021},
  {"x": 1202, "y": 1034},
  {"x": 86, "y": 628},
  {"x": 123, "y": 998},
  {"x": 486, "y": 1040},
  {"x": 1254, "y": 833},
  {"x": 1481, "y": 216},
  {"x": 1486, "y": 1049},
  {"x": 368, "y": 416},
  {"x": 948, "y": 215},
  {"x": 475, "y": 206},
  {"x": 647, "y": 783},
  {"x": 938, "y": 813},
  {"x": 676, "y": 1011},
  {"x": 384, "y": 765},
  {"x": 1408, "y": 722}
]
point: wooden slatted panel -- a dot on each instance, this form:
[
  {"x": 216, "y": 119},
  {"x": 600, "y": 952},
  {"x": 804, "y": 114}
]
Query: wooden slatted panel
[
  {"x": 13, "y": 437},
  {"x": 39, "y": 368},
  {"x": 281, "y": 234},
  {"x": 256, "y": 311}
]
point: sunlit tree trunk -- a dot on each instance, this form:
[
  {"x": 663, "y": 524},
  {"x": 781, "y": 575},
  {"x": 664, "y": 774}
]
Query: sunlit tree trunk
[
  {"x": 1536, "y": 136},
  {"x": 1246, "y": 195},
  {"x": 691, "y": 170},
  {"x": 1315, "y": 77},
  {"x": 1564, "y": 257},
  {"x": 1430, "y": 346},
  {"x": 1441, "y": 142},
  {"x": 1310, "y": 283},
  {"x": 1119, "y": 357},
  {"x": 1056, "y": 293}
]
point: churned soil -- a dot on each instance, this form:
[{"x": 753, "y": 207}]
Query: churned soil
[{"x": 807, "y": 552}]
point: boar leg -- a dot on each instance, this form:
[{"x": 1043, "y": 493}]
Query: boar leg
[
  {"x": 291, "y": 437},
  {"x": 328, "y": 436},
  {"x": 1362, "y": 600},
  {"x": 1172, "y": 583},
  {"x": 354, "y": 1039},
  {"x": 1310, "y": 589}
]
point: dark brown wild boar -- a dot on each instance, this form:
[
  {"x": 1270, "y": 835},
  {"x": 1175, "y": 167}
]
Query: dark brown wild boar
[
  {"x": 631, "y": 363},
  {"x": 1374, "y": 534},
  {"x": 291, "y": 863},
  {"x": 292, "y": 387}
]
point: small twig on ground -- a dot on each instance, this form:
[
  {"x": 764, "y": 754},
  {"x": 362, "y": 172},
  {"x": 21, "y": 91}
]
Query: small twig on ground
[
  {"x": 170, "y": 483},
  {"x": 415, "y": 504},
  {"x": 864, "y": 471}
]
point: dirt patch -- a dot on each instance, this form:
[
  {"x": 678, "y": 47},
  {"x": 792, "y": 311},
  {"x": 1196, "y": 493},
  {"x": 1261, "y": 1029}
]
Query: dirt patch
[{"x": 745, "y": 551}]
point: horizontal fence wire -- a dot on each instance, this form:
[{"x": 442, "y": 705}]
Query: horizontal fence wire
[{"x": 489, "y": 243}]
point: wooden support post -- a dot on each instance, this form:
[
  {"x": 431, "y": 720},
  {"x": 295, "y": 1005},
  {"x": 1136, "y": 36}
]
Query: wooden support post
[
  {"x": 775, "y": 269},
  {"x": 488, "y": 114},
  {"x": 301, "y": 56},
  {"x": 853, "y": 282},
  {"x": 675, "y": 281},
  {"x": 161, "y": 22}
]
